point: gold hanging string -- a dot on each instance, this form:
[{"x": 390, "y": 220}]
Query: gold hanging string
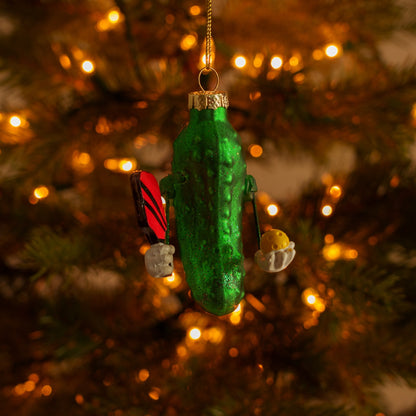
[
  {"x": 209, "y": 36},
  {"x": 208, "y": 50}
]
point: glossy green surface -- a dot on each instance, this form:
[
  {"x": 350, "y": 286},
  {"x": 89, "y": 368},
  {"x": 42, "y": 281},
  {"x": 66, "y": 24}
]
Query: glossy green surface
[{"x": 210, "y": 172}]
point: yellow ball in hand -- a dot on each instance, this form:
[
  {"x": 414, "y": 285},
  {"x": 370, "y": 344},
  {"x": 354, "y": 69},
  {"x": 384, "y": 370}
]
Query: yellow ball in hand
[{"x": 273, "y": 240}]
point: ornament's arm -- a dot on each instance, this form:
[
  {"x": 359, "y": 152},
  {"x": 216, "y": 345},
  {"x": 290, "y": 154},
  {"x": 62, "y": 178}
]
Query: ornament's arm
[
  {"x": 279, "y": 256},
  {"x": 250, "y": 194},
  {"x": 167, "y": 189},
  {"x": 153, "y": 222}
]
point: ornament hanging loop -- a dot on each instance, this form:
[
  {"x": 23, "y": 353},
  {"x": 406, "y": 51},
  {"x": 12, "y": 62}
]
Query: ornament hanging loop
[
  {"x": 208, "y": 52},
  {"x": 205, "y": 71}
]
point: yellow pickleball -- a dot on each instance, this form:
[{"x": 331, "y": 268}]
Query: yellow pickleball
[{"x": 273, "y": 240}]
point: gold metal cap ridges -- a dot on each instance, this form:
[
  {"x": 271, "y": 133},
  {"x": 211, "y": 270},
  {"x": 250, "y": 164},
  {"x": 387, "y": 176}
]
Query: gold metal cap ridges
[{"x": 202, "y": 100}]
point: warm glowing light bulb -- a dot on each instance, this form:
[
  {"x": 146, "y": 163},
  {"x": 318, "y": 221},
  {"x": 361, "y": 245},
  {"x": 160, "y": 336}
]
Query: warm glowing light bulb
[
  {"x": 188, "y": 42},
  {"x": 126, "y": 165},
  {"x": 258, "y": 60},
  {"x": 88, "y": 67},
  {"x": 255, "y": 150},
  {"x": 195, "y": 333},
  {"x": 46, "y": 390},
  {"x": 233, "y": 352},
  {"x": 15, "y": 121},
  {"x": 276, "y": 62},
  {"x": 237, "y": 309},
  {"x": 272, "y": 210},
  {"x": 329, "y": 238},
  {"x": 79, "y": 399},
  {"x": 331, "y": 51},
  {"x": 30, "y": 385},
  {"x": 317, "y": 54},
  {"x": 240, "y": 61},
  {"x": 110, "y": 164},
  {"x": 294, "y": 61},
  {"x": 351, "y": 254},
  {"x": 143, "y": 375},
  {"x": 332, "y": 252},
  {"x": 335, "y": 191},
  {"x": 195, "y": 10},
  {"x": 327, "y": 210},
  {"x": 311, "y": 299},
  {"x": 154, "y": 394},
  {"x": 113, "y": 16},
  {"x": 41, "y": 192},
  {"x": 65, "y": 61}
]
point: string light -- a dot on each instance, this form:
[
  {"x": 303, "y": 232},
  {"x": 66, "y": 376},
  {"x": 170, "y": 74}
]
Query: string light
[
  {"x": 255, "y": 150},
  {"x": 240, "y": 61},
  {"x": 188, "y": 42},
  {"x": 29, "y": 385},
  {"x": 181, "y": 351},
  {"x": 194, "y": 10},
  {"x": 332, "y": 252},
  {"x": 41, "y": 192},
  {"x": 142, "y": 375},
  {"x": 19, "y": 389},
  {"x": 15, "y": 121},
  {"x": 79, "y": 399},
  {"x": 88, "y": 67},
  {"x": 113, "y": 16},
  {"x": 233, "y": 352},
  {"x": 395, "y": 181},
  {"x": 214, "y": 335},
  {"x": 329, "y": 238},
  {"x": 327, "y": 210},
  {"x": 65, "y": 61},
  {"x": 143, "y": 248},
  {"x": 124, "y": 165},
  {"x": 255, "y": 303},
  {"x": 276, "y": 62},
  {"x": 258, "y": 60},
  {"x": 272, "y": 210},
  {"x": 331, "y": 51},
  {"x": 311, "y": 298},
  {"x": 34, "y": 377},
  {"x": 194, "y": 333},
  {"x": 335, "y": 191},
  {"x": 82, "y": 162},
  {"x": 336, "y": 251},
  {"x": 255, "y": 95},
  {"x": 46, "y": 390},
  {"x": 294, "y": 61},
  {"x": 317, "y": 54},
  {"x": 154, "y": 394},
  {"x": 351, "y": 254},
  {"x": 173, "y": 281},
  {"x": 299, "y": 78},
  {"x": 235, "y": 316}
]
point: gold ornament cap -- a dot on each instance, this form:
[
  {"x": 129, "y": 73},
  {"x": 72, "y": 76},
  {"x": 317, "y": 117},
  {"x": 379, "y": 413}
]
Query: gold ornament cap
[{"x": 202, "y": 100}]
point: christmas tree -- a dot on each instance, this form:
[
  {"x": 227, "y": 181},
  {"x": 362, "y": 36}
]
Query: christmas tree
[{"x": 92, "y": 90}]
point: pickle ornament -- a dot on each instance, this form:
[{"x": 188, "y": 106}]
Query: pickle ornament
[{"x": 208, "y": 185}]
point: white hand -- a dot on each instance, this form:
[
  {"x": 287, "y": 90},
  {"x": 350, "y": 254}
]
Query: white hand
[
  {"x": 159, "y": 260},
  {"x": 275, "y": 261}
]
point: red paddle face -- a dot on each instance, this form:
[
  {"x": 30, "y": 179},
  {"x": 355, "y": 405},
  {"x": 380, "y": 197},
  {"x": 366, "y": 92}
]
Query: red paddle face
[{"x": 149, "y": 207}]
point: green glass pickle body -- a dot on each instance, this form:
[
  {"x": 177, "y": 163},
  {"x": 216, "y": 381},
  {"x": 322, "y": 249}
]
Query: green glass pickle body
[{"x": 209, "y": 177}]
